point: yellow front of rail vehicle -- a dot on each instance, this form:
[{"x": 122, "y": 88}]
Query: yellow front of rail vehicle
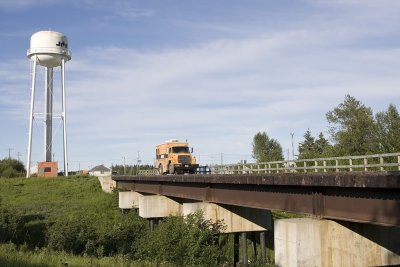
[{"x": 174, "y": 156}]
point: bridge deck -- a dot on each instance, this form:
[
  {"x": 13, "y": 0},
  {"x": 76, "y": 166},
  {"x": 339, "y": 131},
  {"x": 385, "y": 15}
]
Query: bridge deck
[{"x": 372, "y": 197}]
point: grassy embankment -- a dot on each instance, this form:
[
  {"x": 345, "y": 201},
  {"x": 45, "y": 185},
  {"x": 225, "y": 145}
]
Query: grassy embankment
[{"x": 37, "y": 203}]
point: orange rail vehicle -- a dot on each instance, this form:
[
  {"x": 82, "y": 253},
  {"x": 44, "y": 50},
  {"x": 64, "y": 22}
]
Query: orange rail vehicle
[{"x": 174, "y": 156}]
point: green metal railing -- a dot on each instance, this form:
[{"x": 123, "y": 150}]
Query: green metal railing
[
  {"x": 148, "y": 172},
  {"x": 378, "y": 162}
]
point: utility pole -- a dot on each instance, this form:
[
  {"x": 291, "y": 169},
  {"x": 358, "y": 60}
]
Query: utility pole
[
  {"x": 18, "y": 155},
  {"x": 9, "y": 152},
  {"x": 124, "y": 165},
  {"x": 138, "y": 162},
  {"x": 292, "y": 134}
]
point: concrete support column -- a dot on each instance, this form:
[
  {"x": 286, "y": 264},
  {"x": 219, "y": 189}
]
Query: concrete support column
[
  {"x": 128, "y": 200},
  {"x": 235, "y": 249},
  {"x": 151, "y": 226},
  {"x": 155, "y": 206},
  {"x": 263, "y": 248},
  {"x": 244, "y": 250},
  {"x": 313, "y": 242},
  {"x": 254, "y": 246}
]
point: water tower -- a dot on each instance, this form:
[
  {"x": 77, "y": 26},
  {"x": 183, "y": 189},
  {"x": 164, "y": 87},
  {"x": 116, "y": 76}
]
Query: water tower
[{"x": 48, "y": 49}]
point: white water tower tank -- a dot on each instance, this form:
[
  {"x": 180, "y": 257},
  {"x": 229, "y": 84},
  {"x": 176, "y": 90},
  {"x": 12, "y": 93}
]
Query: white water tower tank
[{"x": 50, "y": 48}]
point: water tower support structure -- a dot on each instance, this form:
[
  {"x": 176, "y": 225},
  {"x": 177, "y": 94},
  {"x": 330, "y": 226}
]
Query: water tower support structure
[
  {"x": 64, "y": 117},
  {"x": 48, "y": 116},
  {"x": 48, "y": 49},
  {"x": 31, "y": 117}
]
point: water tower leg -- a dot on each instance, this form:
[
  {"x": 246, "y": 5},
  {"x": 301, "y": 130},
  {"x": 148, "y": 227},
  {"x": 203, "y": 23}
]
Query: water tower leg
[
  {"x": 28, "y": 163},
  {"x": 64, "y": 117},
  {"x": 48, "y": 118}
]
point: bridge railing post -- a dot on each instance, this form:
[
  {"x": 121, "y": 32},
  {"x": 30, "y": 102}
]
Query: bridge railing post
[
  {"x": 398, "y": 163},
  {"x": 351, "y": 164}
]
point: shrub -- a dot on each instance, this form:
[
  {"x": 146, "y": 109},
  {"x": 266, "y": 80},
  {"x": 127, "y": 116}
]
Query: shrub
[
  {"x": 10, "y": 168},
  {"x": 122, "y": 234},
  {"x": 73, "y": 234},
  {"x": 10, "y": 224},
  {"x": 183, "y": 241}
]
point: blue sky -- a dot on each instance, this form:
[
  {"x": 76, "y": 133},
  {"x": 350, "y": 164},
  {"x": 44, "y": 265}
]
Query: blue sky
[{"x": 212, "y": 72}]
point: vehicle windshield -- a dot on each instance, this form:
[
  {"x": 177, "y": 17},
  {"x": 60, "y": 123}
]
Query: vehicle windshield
[{"x": 180, "y": 149}]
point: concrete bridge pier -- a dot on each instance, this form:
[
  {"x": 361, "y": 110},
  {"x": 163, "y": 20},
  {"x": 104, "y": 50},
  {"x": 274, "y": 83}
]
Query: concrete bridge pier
[
  {"x": 151, "y": 207},
  {"x": 128, "y": 200},
  {"x": 321, "y": 242}
]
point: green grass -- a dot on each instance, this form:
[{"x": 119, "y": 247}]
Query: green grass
[
  {"x": 42, "y": 201},
  {"x": 55, "y": 197},
  {"x": 11, "y": 256}
]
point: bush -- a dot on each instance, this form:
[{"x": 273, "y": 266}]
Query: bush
[
  {"x": 73, "y": 234},
  {"x": 10, "y": 168},
  {"x": 10, "y": 224},
  {"x": 95, "y": 235},
  {"x": 122, "y": 235},
  {"x": 183, "y": 241}
]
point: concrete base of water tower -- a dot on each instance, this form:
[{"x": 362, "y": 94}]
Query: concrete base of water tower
[{"x": 48, "y": 169}]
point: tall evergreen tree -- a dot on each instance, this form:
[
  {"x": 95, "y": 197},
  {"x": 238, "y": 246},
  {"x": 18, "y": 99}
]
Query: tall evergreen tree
[
  {"x": 322, "y": 145},
  {"x": 266, "y": 149},
  {"x": 388, "y": 130},
  {"x": 352, "y": 128},
  {"x": 307, "y": 148},
  {"x": 313, "y": 148}
]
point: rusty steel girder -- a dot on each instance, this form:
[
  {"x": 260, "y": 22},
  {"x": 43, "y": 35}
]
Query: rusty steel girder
[{"x": 368, "y": 197}]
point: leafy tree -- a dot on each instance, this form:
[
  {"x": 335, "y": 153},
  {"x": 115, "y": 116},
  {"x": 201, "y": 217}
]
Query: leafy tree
[
  {"x": 352, "y": 128},
  {"x": 10, "y": 168},
  {"x": 388, "y": 130},
  {"x": 266, "y": 149}
]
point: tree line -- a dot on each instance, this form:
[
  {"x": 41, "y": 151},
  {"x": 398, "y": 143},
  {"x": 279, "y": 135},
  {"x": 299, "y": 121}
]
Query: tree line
[{"x": 353, "y": 129}]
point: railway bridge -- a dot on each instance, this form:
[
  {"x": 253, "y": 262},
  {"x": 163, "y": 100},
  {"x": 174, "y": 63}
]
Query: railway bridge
[{"x": 350, "y": 215}]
